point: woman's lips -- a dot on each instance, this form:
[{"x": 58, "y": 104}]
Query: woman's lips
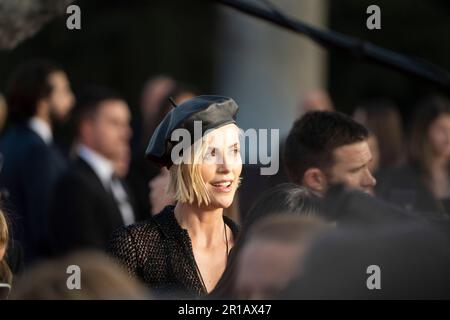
[{"x": 223, "y": 185}]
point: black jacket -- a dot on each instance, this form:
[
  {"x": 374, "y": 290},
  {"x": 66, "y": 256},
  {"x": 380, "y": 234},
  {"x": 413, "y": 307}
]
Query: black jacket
[
  {"x": 30, "y": 170},
  {"x": 83, "y": 213},
  {"x": 159, "y": 253}
]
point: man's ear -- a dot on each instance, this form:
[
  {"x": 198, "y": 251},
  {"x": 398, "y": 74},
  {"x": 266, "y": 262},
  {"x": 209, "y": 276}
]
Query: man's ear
[{"x": 315, "y": 179}]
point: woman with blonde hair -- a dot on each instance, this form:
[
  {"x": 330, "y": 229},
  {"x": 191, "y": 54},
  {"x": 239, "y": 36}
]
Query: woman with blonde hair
[
  {"x": 184, "y": 249},
  {"x": 5, "y": 271}
]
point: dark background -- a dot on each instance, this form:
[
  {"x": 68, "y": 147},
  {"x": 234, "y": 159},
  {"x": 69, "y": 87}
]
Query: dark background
[
  {"x": 419, "y": 28},
  {"x": 123, "y": 43}
]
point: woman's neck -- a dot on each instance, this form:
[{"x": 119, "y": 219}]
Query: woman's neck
[{"x": 205, "y": 226}]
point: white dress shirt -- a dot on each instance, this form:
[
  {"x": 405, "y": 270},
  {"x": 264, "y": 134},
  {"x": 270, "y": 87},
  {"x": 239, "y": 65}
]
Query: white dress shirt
[
  {"x": 42, "y": 129},
  {"x": 104, "y": 169}
]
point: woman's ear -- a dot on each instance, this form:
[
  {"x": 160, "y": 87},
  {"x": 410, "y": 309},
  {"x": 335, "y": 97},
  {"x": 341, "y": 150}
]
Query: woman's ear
[{"x": 315, "y": 180}]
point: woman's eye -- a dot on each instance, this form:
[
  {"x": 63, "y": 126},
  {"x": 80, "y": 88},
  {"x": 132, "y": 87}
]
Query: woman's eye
[{"x": 211, "y": 153}]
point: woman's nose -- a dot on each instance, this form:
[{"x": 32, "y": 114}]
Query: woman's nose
[{"x": 224, "y": 164}]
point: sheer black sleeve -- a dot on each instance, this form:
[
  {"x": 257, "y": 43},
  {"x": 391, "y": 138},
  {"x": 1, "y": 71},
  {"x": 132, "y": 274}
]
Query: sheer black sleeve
[{"x": 122, "y": 247}]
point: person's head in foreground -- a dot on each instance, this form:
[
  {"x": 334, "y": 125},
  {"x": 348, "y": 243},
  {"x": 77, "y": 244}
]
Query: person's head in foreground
[
  {"x": 39, "y": 88},
  {"x": 395, "y": 261},
  {"x": 273, "y": 253},
  {"x": 198, "y": 142},
  {"x": 286, "y": 199},
  {"x": 5, "y": 272},
  {"x": 85, "y": 275},
  {"x": 326, "y": 148}
]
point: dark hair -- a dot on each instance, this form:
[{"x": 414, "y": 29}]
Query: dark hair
[
  {"x": 285, "y": 198},
  {"x": 384, "y": 121},
  {"x": 314, "y": 137},
  {"x": 427, "y": 111},
  {"x": 89, "y": 100},
  {"x": 29, "y": 84}
]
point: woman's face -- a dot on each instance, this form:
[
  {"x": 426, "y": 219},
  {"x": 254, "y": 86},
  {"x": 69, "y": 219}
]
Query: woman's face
[
  {"x": 222, "y": 165},
  {"x": 439, "y": 135}
]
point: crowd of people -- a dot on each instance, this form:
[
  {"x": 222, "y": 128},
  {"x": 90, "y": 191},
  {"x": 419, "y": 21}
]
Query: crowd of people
[{"x": 354, "y": 192}]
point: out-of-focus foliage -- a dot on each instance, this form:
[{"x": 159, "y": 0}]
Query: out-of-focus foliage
[{"x": 20, "y": 19}]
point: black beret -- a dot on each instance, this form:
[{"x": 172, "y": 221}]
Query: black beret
[{"x": 212, "y": 111}]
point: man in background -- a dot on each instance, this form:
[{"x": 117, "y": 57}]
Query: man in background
[
  {"x": 90, "y": 199},
  {"x": 39, "y": 97}
]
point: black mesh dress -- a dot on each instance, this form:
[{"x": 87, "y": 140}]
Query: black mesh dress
[{"x": 159, "y": 253}]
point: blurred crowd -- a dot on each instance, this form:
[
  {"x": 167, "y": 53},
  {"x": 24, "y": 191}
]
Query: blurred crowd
[{"x": 354, "y": 191}]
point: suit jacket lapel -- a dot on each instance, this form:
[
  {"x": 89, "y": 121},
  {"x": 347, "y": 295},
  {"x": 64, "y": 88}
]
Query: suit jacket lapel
[{"x": 107, "y": 196}]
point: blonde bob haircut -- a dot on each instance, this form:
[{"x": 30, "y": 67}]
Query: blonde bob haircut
[
  {"x": 5, "y": 272},
  {"x": 4, "y": 234},
  {"x": 186, "y": 182}
]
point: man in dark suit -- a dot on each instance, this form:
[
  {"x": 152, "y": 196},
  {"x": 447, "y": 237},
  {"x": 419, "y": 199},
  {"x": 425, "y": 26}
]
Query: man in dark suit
[
  {"x": 90, "y": 200},
  {"x": 39, "y": 96}
]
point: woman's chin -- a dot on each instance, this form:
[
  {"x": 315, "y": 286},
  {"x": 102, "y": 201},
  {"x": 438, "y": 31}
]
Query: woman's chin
[
  {"x": 221, "y": 199},
  {"x": 222, "y": 202}
]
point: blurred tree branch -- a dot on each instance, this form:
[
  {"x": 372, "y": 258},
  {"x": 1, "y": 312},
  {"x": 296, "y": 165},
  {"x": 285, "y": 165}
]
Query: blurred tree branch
[{"x": 21, "y": 19}]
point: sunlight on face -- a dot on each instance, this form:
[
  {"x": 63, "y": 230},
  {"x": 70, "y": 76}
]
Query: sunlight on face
[
  {"x": 351, "y": 167},
  {"x": 222, "y": 165}
]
